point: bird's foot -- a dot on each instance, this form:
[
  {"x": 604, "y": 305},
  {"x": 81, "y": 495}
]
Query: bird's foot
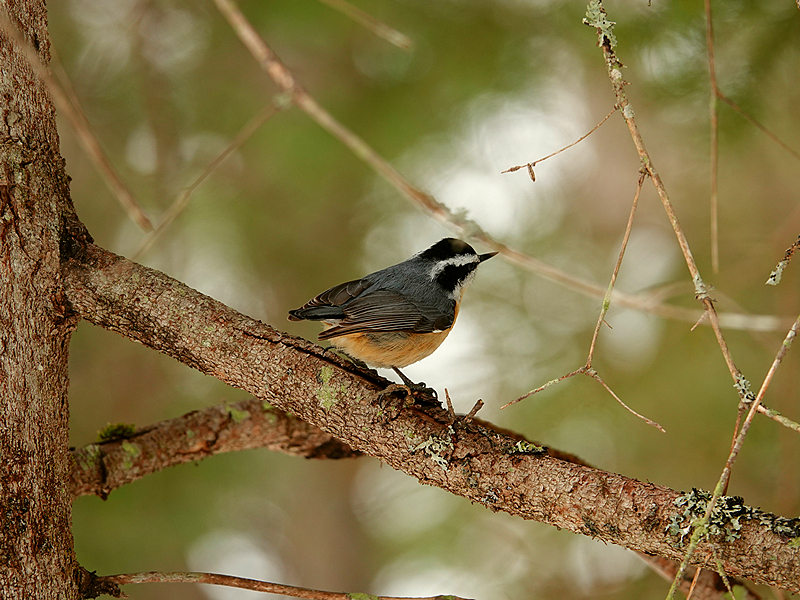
[{"x": 425, "y": 395}]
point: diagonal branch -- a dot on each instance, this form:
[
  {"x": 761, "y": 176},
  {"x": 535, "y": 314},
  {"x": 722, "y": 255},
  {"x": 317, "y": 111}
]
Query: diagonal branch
[
  {"x": 596, "y": 17},
  {"x": 77, "y": 118},
  {"x": 98, "y": 469},
  {"x": 466, "y": 459},
  {"x": 245, "y": 584}
]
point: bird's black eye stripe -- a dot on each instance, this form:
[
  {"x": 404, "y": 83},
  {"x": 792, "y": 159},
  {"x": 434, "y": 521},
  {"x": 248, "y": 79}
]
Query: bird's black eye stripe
[{"x": 452, "y": 275}]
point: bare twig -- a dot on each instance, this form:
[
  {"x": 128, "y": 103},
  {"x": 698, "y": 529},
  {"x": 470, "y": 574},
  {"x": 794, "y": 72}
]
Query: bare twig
[
  {"x": 474, "y": 410},
  {"x": 700, "y": 525},
  {"x": 377, "y": 27},
  {"x": 712, "y": 76},
  {"x": 759, "y": 125},
  {"x": 75, "y": 115},
  {"x": 530, "y": 165},
  {"x": 598, "y": 19},
  {"x": 182, "y": 201},
  {"x": 592, "y": 373},
  {"x": 612, "y": 283},
  {"x": 587, "y": 368},
  {"x": 245, "y": 584},
  {"x": 694, "y": 583}
]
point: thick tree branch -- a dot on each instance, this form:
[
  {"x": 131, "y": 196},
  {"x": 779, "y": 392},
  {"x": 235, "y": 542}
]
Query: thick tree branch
[
  {"x": 463, "y": 458},
  {"x": 98, "y": 469}
]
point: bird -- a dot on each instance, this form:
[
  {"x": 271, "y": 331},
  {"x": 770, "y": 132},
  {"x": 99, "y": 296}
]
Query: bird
[{"x": 401, "y": 314}]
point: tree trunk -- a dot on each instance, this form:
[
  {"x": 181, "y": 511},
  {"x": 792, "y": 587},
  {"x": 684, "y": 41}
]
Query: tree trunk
[{"x": 37, "y": 559}]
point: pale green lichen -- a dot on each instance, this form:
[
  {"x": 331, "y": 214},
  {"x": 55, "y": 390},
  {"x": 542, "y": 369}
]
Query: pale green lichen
[
  {"x": 524, "y": 447},
  {"x": 89, "y": 456},
  {"x": 328, "y": 393},
  {"x": 131, "y": 451},
  {"x": 775, "y": 276},
  {"x": 116, "y": 431},
  {"x": 596, "y": 17},
  {"x": 742, "y": 386},
  {"x": 439, "y": 449},
  {"x": 361, "y": 596},
  {"x": 726, "y": 519},
  {"x": 237, "y": 415}
]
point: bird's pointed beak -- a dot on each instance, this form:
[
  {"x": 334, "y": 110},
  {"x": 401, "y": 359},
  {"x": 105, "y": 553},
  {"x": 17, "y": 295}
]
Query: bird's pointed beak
[{"x": 486, "y": 256}]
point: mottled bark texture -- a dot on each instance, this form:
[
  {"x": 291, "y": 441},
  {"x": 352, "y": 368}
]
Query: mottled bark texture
[
  {"x": 36, "y": 552},
  {"x": 98, "y": 469},
  {"x": 464, "y": 458}
]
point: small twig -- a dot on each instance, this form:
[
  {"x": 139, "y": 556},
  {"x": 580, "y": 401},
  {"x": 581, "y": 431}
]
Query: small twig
[
  {"x": 242, "y": 583},
  {"x": 694, "y": 583},
  {"x": 530, "y": 165},
  {"x": 703, "y": 317},
  {"x": 592, "y": 373},
  {"x": 377, "y": 27},
  {"x": 72, "y": 110},
  {"x": 182, "y": 201},
  {"x": 450, "y": 408},
  {"x": 775, "y": 276},
  {"x": 612, "y": 283},
  {"x": 712, "y": 76},
  {"x": 545, "y": 386},
  {"x": 474, "y": 410},
  {"x": 758, "y": 124},
  {"x": 587, "y": 368},
  {"x": 700, "y": 525}
]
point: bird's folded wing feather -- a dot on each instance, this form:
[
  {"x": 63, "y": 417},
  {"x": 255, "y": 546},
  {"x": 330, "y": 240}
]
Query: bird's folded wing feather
[
  {"x": 327, "y": 304},
  {"x": 386, "y": 310}
]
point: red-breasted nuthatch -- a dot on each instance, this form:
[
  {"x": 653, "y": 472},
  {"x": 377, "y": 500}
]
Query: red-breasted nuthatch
[{"x": 401, "y": 314}]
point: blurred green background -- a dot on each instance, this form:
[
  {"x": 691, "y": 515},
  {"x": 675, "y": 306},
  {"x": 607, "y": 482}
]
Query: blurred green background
[{"x": 488, "y": 85}]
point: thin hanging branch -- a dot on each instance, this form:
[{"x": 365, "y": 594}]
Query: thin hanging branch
[
  {"x": 530, "y": 165},
  {"x": 366, "y": 20},
  {"x": 182, "y": 201},
  {"x": 246, "y": 584},
  {"x": 587, "y": 369},
  {"x": 712, "y": 76},
  {"x": 77, "y": 118}
]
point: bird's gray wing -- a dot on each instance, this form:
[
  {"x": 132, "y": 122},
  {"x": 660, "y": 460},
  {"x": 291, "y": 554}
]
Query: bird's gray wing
[
  {"x": 387, "y": 310},
  {"x": 328, "y": 304}
]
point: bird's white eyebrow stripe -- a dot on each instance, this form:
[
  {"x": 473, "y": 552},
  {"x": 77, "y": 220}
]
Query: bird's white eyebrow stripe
[{"x": 461, "y": 259}]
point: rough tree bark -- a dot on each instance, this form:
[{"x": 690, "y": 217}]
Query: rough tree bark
[{"x": 36, "y": 551}]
